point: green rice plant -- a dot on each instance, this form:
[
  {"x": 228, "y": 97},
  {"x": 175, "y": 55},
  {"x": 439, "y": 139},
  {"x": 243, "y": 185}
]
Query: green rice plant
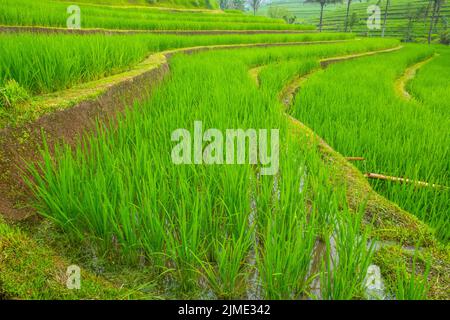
[
  {"x": 226, "y": 273},
  {"x": 12, "y": 94},
  {"x": 44, "y": 64},
  {"x": 231, "y": 234},
  {"x": 287, "y": 232},
  {"x": 348, "y": 257}
]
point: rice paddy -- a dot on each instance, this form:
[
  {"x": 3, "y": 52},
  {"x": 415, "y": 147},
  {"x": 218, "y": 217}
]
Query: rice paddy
[
  {"x": 54, "y": 14},
  {"x": 357, "y": 208},
  {"x": 81, "y": 59}
]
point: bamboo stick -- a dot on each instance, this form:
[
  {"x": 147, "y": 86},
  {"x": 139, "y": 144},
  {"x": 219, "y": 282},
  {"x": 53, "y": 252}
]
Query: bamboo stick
[
  {"x": 402, "y": 180},
  {"x": 355, "y": 159}
]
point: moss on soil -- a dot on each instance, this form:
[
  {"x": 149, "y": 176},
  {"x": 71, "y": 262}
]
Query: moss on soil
[{"x": 29, "y": 270}]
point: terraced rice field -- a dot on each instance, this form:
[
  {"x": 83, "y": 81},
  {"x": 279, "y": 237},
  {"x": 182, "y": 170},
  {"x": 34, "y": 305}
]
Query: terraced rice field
[
  {"x": 169, "y": 4},
  {"x": 98, "y": 168},
  {"x": 53, "y": 14},
  {"x": 406, "y": 19}
]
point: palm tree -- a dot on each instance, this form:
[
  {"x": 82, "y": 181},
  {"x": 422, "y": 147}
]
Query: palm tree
[
  {"x": 437, "y": 4},
  {"x": 349, "y": 2},
  {"x": 438, "y": 12},
  {"x": 322, "y": 3},
  {"x": 388, "y": 2},
  {"x": 255, "y": 5}
]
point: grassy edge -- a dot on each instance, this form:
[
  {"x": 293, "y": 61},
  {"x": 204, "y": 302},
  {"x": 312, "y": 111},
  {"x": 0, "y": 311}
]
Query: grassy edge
[
  {"x": 30, "y": 270},
  {"x": 60, "y": 100},
  {"x": 393, "y": 258}
]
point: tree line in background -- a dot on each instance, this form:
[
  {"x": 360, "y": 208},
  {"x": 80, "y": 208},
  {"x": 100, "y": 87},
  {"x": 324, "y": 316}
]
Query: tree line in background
[
  {"x": 232, "y": 4},
  {"x": 254, "y": 5},
  {"x": 208, "y": 4},
  {"x": 430, "y": 11}
]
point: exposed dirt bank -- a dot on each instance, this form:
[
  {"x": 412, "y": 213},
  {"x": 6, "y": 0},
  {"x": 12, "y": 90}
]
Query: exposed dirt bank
[{"x": 23, "y": 143}]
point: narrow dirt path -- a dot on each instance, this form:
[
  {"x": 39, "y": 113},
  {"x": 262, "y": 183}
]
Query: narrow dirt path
[
  {"x": 408, "y": 75},
  {"x": 254, "y": 74},
  {"x": 289, "y": 92}
]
